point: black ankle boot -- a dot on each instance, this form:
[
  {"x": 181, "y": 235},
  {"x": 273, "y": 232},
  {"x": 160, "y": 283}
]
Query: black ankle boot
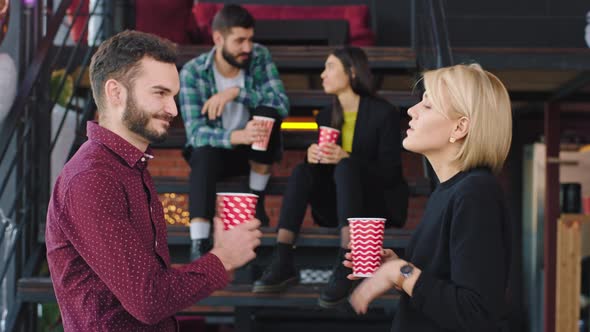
[
  {"x": 338, "y": 288},
  {"x": 260, "y": 211},
  {"x": 281, "y": 272},
  {"x": 199, "y": 248}
]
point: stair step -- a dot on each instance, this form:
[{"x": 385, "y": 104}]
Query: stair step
[
  {"x": 276, "y": 185},
  {"x": 301, "y": 58},
  {"x": 315, "y": 237},
  {"x": 292, "y": 139},
  {"x": 316, "y": 249},
  {"x": 40, "y": 290},
  {"x": 319, "y": 99}
]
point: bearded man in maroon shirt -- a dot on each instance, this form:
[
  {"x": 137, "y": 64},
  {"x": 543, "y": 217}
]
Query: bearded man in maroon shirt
[{"x": 106, "y": 234}]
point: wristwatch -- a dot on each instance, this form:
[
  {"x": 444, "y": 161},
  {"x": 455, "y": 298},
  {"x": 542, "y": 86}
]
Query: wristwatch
[{"x": 405, "y": 272}]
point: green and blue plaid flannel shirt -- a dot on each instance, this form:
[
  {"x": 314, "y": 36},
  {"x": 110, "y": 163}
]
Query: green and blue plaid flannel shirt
[{"x": 263, "y": 87}]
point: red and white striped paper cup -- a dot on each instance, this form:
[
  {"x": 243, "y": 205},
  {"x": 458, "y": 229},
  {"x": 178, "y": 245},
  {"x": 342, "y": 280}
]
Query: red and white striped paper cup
[
  {"x": 328, "y": 135},
  {"x": 267, "y": 124},
  {"x": 235, "y": 208},
  {"x": 366, "y": 242}
]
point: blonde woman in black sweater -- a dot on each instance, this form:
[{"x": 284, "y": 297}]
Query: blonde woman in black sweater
[{"x": 455, "y": 271}]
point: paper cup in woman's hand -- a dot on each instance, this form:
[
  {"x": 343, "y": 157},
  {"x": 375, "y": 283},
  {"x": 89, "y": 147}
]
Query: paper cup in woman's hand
[{"x": 366, "y": 242}]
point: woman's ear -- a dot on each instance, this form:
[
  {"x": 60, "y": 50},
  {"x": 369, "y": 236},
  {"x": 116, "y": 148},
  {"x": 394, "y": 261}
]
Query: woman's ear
[{"x": 461, "y": 128}]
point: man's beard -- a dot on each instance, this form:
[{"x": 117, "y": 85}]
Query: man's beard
[
  {"x": 232, "y": 60},
  {"x": 137, "y": 121}
]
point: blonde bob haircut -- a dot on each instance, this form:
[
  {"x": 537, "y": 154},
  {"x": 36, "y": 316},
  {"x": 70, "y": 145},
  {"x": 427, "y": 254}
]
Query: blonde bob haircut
[{"x": 471, "y": 92}]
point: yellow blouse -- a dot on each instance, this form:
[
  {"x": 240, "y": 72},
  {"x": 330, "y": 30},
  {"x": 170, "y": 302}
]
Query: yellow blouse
[{"x": 348, "y": 130}]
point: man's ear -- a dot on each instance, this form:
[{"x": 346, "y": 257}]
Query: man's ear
[
  {"x": 115, "y": 93},
  {"x": 217, "y": 38}
]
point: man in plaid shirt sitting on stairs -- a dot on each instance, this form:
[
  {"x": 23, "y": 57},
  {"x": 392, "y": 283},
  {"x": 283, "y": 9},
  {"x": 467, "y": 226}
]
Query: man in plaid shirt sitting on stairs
[{"x": 220, "y": 92}]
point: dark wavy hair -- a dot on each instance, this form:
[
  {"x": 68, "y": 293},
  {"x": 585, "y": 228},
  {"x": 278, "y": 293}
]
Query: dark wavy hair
[
  {"x": 356, "y": 66},
  {"x": 119, "y": 58},
  {"x": 232, "y": 16}
]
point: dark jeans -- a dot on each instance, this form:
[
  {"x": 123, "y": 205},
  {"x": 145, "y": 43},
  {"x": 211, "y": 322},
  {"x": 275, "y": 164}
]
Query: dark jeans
[
  {"x": 335, "y": 193},
  {"x": 209, "y": 165}
]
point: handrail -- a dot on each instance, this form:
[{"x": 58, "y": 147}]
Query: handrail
[
  {"x": 444, "y": 54},
  {"x": 16, "y": 112},
  {"x": 13, "y": 164},
  {"x": 78, "y": 78},
  {"x": 68, "y": 33},
  {"x": 435, "y": 22}
]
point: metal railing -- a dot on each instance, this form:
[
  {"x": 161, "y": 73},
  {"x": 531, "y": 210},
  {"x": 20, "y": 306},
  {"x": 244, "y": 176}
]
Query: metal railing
[
  {"x": 430, "y": 40},
  {"x": 30, "y": 135},
  {"x": 430, "y": 37}
]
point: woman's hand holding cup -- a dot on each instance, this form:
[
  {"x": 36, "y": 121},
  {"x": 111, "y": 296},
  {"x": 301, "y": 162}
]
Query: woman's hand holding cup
[
  {"x": 386, "y": 256},
  {"x": 313, "y": 154},
  {"x": 332, "y": 153}
]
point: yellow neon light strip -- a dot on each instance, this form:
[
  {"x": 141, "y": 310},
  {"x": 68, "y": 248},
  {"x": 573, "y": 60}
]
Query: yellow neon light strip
[{"x": 299, "y": 125}]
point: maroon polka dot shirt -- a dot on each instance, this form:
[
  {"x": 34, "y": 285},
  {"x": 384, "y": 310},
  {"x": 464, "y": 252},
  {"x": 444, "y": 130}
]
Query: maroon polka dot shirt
[{"x": 106, "y": 244}]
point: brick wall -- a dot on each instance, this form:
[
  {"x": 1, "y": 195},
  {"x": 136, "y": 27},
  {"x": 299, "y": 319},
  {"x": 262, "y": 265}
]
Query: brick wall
[{"x": 169, "y": 162}]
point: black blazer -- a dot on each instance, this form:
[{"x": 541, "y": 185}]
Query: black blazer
[{"x": 376, "y": 146}]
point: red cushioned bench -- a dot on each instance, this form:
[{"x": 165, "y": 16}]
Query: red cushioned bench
[{"x": 185, "y": 23}]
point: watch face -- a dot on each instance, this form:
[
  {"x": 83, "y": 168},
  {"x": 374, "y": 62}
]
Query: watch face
[{"x": 406, "y": 270}]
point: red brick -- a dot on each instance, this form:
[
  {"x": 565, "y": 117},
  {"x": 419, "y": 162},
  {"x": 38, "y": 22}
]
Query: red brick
[{"x": 273, "y": 205}]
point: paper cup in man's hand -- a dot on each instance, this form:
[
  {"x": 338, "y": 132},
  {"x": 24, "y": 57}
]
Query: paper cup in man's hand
[{"x": 235, "y": 208}]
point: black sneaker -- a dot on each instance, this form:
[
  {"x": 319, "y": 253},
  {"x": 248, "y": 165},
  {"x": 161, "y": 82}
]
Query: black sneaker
[
  {"x": 280, "y": 274},
  {"x": 336, "y": 292},
  {"x": 199, "y": 248}
]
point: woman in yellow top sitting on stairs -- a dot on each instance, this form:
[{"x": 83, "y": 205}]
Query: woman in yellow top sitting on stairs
[{"x": 358, "y": 176}]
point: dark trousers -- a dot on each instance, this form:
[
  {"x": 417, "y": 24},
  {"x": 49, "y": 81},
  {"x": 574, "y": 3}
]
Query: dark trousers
[
  {"x": 210, "y": 165},
  {"x": 334, "y": 192}
]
